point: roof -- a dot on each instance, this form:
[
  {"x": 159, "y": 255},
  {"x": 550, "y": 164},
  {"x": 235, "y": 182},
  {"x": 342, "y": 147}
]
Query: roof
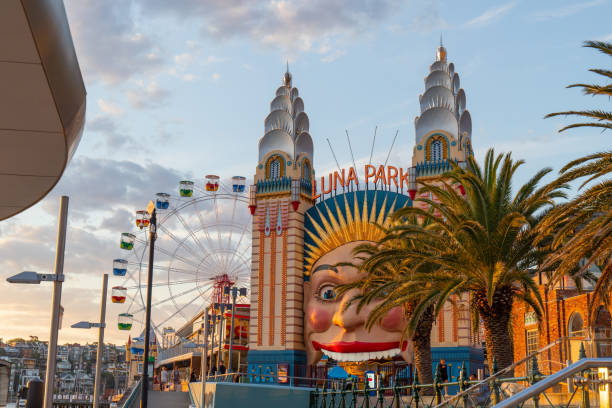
[{"x": 43, "y": 101}]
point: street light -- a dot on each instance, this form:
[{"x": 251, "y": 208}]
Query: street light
[
  {"x": 145, "y": 366},
  {"x": 100, "y": 326},
  {"x": 29, "y": 277},
  {"x": 234, "y": 290}
]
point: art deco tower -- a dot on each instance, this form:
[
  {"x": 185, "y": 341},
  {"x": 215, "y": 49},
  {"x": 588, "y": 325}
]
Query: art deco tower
[
  {"x": 443, "y": 132},
  {"x": 281, "y": 193}
]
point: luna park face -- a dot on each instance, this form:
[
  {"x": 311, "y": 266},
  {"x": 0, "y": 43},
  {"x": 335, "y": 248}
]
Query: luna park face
[{"x": 338, "y": 331}]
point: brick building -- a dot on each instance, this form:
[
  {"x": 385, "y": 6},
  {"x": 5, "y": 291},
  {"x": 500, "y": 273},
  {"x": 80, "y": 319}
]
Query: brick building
[{"x": 564, "y": 322}]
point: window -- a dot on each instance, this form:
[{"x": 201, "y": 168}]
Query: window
[
  {"x": 306, "y": 171},
  {"x": 275, "y": 169},
  {"x": 576, "y": 325},
  {"x": 436, "y": 150},
  {"x": 532, "y": 340},
  {"x": 530, "y": 318}
]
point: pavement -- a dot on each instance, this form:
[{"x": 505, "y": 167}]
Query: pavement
[{"x": 159, "y": 399}]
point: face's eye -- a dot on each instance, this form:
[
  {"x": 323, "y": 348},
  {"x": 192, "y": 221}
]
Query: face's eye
[{"x": 327, "y": 292}]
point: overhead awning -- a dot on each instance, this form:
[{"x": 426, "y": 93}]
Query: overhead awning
[{"x": 42, "y": 100}]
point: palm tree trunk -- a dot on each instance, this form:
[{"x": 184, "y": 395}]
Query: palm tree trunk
[
  {"x": 496, "y": 319},
  {"x": 498, "y": 340},
  {"x": 421, "y": 341}
]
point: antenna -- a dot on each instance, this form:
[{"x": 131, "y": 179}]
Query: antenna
[
  {"x": 391, "y": 148},
  {"x": 440, "y": 39},
  {"x": 288, "y": 60},
  {"x": 351, "y": 149},
  {"x": 334, "y": 154},
  {"x": 373, "y": 141}
]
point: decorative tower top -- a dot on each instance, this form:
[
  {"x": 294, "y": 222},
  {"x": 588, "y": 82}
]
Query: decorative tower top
[
  {"x": 441, "y": 53},
  {"x": 287, "y": 125},
  {"x": 287, "y": 77},
  {"x": 443, "y": 131}
]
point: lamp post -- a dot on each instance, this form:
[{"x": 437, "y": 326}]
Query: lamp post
[
  {"x": 57, "y": 278},
  {"x": 100, "y": 326},
  {"x": 145, "y": 364},
  {"x": 234, "y": 291},
  {"x": 212, "y": 345}
]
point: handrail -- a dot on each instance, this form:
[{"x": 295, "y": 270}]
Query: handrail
[
  {"x": 540, "y": 386},
  {"x": 502, "y": 371},
  {"x": 135, "y": 391}
]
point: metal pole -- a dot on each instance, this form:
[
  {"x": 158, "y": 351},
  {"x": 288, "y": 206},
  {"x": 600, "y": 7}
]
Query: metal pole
[
  {"x": 56, "y": 302},
  {"x": 220, "y": 336},
  {"x": 204, "y": 357},
  {"x": 231, "y": 345},
  {"x": 145, "y": 363},
  {"x": 212, "y": 348},
  {"x": 96, "y": 394}
]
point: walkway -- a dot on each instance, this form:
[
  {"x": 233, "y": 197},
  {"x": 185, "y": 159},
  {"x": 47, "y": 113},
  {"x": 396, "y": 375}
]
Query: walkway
[{"x": 158, "y": 399}]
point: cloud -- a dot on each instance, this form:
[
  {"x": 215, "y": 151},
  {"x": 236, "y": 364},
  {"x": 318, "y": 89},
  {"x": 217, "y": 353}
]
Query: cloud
[
  {"x": 149, "y": 96},
  {"x": 216, "y": 76},
  {"x": 189, "y": 77},
  {"x": 490, "y": 15},
  {"x": 289, "y": 26},
  {"x": 565, "y": 11},
  {"x": 109, "y": 45},
  {"x": 109, "y": 107},
  {"x": 111, "y": 137}
]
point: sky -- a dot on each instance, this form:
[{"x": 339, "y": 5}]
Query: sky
[{"x": 177, "y": 90}]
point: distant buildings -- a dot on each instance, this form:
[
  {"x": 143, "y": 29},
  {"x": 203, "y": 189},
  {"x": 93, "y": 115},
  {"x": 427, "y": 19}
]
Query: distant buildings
[{"x": 75, "y": 366}]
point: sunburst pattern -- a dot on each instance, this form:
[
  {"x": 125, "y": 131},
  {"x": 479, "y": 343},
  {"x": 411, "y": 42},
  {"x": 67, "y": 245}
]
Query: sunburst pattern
[{"x": 347, "y": 218}]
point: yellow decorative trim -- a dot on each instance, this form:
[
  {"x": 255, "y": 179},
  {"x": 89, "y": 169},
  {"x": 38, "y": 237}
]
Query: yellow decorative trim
[
  {"x": 269, "y": 162},
  {"x": 444, "y": 146},
  {"x": 336, "y": 230}
]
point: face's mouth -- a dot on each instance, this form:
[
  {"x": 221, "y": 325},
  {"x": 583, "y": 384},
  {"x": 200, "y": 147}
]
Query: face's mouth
[{"x": 360, "y": 351}]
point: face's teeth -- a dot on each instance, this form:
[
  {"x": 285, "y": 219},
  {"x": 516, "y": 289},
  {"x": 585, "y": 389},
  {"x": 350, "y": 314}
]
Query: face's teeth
[{"x": 375, "y": 355}]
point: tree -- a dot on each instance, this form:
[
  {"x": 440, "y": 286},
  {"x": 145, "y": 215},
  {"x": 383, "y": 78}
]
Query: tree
[
  {"x": 481, "y": 244},
  {"x": 387, "y": 275},
  {"x": 585, "y": 235}
]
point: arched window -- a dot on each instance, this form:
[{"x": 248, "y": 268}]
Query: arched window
[
  {"x": 306, "y": 170},
  {"x": 575, "y": 325},
  {"x": 275, "y": 169},
  {"x": 436, "y": 150}
]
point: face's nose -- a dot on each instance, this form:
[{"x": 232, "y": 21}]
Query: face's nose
[{"x": 347, "y": 316}]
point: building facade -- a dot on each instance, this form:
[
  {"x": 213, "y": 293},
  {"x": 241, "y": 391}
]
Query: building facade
[{"x": 296, "y": 225}]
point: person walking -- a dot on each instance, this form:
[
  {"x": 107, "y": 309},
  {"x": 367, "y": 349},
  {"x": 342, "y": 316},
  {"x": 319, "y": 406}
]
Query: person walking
[{"x": 164, "y": 378}]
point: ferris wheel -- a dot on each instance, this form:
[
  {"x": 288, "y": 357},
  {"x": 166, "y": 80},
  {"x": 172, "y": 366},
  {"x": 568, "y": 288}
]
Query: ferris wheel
[{"x": 203, "y": 246}]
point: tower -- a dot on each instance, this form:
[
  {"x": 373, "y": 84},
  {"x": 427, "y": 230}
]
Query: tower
[
  {"x": 443, "y": 134},
  {"x": 443, "y": 131},
  {"x": 281, "y": 193}
]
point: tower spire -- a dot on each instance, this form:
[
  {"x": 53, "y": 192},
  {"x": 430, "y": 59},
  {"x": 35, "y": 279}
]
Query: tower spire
[
  {"x": 287, "y": 77},
  {"x": 441, "y": 40}
]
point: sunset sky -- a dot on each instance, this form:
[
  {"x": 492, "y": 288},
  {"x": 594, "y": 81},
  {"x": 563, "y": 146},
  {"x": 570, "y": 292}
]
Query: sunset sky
[{"x": 180, "y": 89}]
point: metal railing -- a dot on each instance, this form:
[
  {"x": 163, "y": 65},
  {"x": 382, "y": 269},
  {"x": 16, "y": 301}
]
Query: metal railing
[
  {"x": 584, "y": 380},
  {"x": 132, "y": 397},
  {"x": 571, "y": 386},
  {"x": 175, "y": 351}
]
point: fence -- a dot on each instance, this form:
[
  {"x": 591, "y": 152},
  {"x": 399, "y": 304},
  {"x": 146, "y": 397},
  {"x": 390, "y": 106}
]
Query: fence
[{"x": 582, "y": 384}]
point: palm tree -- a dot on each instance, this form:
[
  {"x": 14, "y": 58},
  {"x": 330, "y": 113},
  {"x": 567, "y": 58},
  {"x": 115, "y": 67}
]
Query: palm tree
[
  {"x": 585, "y": 235},
  {"x": 481, "y": 244},
  {"x": 387, "y": 277},
  {"x": 603, "y": 118}
]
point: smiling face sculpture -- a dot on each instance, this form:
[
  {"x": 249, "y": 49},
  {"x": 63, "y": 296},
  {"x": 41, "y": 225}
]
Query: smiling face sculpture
[{"x": 334, "y": 228}]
